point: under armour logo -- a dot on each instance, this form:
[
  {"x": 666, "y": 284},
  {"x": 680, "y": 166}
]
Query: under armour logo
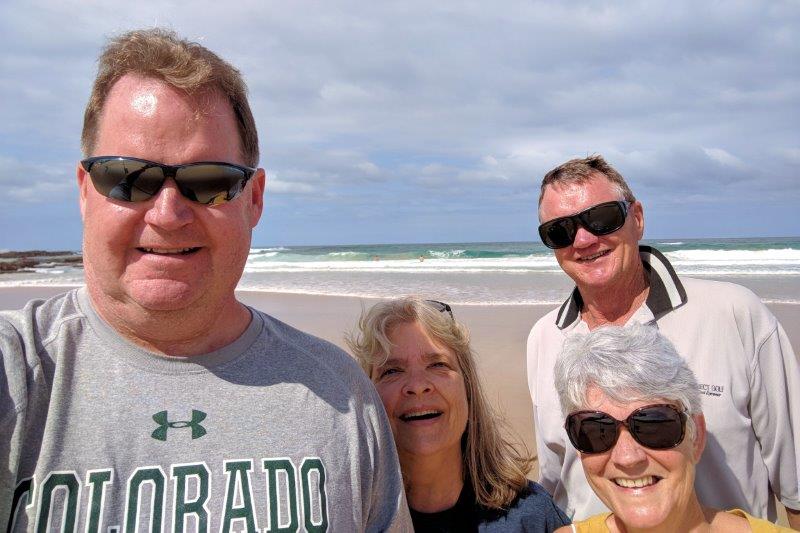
[{"x": 160, "y": 433}]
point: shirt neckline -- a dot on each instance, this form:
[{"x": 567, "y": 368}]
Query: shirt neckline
[
  {"x": 666, "y": 290},
  {"x": 137, "y": 356}
]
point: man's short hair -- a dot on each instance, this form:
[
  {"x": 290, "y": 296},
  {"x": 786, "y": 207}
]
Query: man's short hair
[
  {"x": 582, "y": 170},
  {"x": 159, "y": 53}
]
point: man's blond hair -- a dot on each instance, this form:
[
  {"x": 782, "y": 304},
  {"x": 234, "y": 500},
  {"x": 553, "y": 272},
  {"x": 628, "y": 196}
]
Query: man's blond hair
[
  {"x": 160, "y": 54},
  {"x": 582, "y": 170}
]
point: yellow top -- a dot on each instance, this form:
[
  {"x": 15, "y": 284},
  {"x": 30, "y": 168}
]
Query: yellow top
[
  {"x": 597, "y": 524},
  {"x": 594, "y": 524},
  {"x": 758, "y": 525}
]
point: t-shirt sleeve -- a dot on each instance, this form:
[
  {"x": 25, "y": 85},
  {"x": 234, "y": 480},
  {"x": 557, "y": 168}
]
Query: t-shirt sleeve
[
  {"x": 12, "y": 415},
  {"x": 535, "y": 511},
  {"x": 549, "y": 516},
  {"x": 388, "y": 510}
]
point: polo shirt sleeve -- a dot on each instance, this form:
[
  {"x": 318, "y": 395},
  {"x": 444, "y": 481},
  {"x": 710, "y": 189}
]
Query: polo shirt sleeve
[{"x": 775, "y": 407}]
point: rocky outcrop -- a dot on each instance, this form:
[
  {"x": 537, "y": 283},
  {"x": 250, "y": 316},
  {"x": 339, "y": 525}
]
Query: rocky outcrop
[{"x": 22, "y": 261}]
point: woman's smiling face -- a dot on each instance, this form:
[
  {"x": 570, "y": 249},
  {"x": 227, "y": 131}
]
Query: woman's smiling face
[
  {"x": 642, "y": 486},
  {"x": 422, "y": 389}
]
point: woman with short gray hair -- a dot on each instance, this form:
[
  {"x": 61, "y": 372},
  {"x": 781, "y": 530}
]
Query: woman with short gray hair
[{"x": 634, "y": 414}]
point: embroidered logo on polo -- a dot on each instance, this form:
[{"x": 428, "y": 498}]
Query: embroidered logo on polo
[
  {"x": 164, "y": 425},
  {"x": 711, "y": 390}
]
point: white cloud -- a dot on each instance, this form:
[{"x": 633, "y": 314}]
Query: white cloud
[
  {"x": 337, "y": 93},
  {"x": 35, "y": 182},
  {"x": 418, "y": 103},
  {"x": 724, "y": 158},
  {"x": 275, "y": 186}
]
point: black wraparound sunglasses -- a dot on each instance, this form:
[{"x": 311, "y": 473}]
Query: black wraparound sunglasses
[
  {"x": 658, "y": 427},
  {"x": 129, "y": 179},
  {"x": 600, "y": 219}
]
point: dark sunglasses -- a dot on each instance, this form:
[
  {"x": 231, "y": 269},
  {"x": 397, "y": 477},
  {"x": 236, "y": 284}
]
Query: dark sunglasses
[
  {"x": 129, "y": 179},
  {"x": 441, "y": 307},
  {"x": 658, "y": 427},
  {"x": 600, "y": 219}
]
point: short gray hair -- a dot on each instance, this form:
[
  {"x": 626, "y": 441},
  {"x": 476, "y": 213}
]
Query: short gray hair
[{"x": 631, "y": 363}]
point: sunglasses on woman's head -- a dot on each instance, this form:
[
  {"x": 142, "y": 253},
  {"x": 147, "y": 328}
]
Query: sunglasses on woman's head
[
  {"x": 129, "y": 179},
  {"x": 600, "y": 219},
  {"x": 658, "y": 427},
  {"x": 441, "y": 307}
]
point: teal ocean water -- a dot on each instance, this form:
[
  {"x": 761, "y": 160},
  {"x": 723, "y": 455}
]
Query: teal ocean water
[{"x": 483, "y": 273}]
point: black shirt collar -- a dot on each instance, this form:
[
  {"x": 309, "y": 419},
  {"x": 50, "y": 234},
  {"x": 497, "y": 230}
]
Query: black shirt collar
[{"x": 666, "y": 290}]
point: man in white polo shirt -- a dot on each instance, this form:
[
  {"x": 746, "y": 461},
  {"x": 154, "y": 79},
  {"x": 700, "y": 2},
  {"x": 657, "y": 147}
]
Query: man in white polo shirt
[{"x": 748, "y": 373}]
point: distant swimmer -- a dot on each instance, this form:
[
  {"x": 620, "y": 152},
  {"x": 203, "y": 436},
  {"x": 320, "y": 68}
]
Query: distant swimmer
[{"x": 739, "y": 352}]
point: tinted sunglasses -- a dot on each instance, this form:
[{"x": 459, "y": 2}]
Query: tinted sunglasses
[
  {"x": 600, "y": 219},
  {"x": 441, "y": 307},
  {"x": 129, "y": 179},
  {"x": 658, "y": 427}
]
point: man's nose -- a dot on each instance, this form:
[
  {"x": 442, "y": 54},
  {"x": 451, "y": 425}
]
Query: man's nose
[
  {"x": 584, "y": 238},
  {"x": 627, "y": 453},
  {"x": 170, "y": 210}
]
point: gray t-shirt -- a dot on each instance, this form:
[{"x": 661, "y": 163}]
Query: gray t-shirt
[{"x": 278, "y": 431}]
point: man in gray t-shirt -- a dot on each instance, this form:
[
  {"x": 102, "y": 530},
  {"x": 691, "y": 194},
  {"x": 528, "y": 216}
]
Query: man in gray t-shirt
[{"x": 153, "y": 399}]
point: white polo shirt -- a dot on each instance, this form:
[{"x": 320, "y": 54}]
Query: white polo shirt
[{"x": 749, "y": 379}]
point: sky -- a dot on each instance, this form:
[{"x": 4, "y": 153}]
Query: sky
[{"x": 392, "y": 122}]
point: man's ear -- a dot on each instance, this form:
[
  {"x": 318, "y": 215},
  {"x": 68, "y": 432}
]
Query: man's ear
[
  {"x": 637, "y": 212},
  {"x": 259, "y": 182},
  {"x": 84, "y": 181},
  {"x": 700, "y": 436}
]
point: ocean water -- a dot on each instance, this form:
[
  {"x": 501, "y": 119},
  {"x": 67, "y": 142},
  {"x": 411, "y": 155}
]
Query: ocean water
[{"x": 482, "y": 273}]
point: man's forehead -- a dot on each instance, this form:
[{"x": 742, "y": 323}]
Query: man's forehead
[
  {"x": 144, "y": 96},
  {"x": 595, "y": 180},
  {"x": 573, "y": 195},
  {"x": 147, "y": 118}
]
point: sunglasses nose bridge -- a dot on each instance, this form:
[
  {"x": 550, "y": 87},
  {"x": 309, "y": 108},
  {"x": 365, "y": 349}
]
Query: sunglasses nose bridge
[
  {"x": 583, "y": 236},
  {"x": 169, "y": 171},
  {"x": 627, "y": 451}
]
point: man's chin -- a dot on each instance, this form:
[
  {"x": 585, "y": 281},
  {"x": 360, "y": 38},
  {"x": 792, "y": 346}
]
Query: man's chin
[
  {"x": 592, "y": 278},
  {"x": 165, "y": 295}
]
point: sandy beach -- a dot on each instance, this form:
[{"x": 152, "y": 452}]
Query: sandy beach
[{"x": 499, "y": 333}]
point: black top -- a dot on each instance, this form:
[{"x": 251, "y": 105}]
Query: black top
[{"x": 532, "y": 511}]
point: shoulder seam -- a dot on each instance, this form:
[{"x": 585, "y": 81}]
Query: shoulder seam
[
  {"x": 757, "y": 355},
  {"x": 57, "y": 327},
  {"x": 312, "y": 355}
]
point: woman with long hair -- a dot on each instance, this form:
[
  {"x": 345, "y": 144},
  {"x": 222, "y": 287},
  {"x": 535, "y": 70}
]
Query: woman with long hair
[{"x": 460, "y": 472}]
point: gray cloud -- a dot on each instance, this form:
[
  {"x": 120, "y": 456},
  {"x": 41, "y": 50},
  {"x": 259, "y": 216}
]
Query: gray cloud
[{"x": 454, "y": 107}]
